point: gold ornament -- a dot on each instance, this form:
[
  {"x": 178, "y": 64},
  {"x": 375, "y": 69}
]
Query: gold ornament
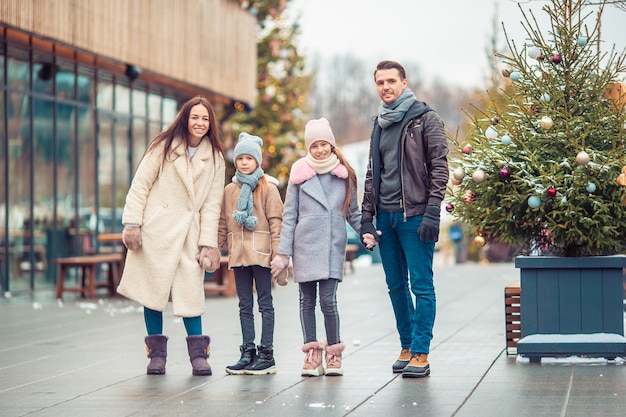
[
  {"x": 455, "y": 181},
  {"x": 624, "y": 170},
  {"x": 479, "y": 241},
  {"x": 621, "y": 180}
]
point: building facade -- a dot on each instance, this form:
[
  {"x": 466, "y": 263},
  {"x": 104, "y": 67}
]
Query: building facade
[{"x": 84, "y": 86}]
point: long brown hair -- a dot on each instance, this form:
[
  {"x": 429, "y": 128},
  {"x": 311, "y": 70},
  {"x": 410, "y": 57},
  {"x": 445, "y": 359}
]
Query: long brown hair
[
  {"x": 180, "y": 128},
  {"x": 350, "y": 181}
]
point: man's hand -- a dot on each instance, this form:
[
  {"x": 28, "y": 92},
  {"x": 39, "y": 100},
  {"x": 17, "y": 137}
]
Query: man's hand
[
  {"x": 429, "y": 229},
  {"x": 368, "y": 229},
  {"x": 370, "y": 241}
]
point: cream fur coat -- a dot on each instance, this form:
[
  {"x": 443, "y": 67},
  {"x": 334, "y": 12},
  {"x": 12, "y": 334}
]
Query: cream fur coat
[{"x": 178, "y": 207}]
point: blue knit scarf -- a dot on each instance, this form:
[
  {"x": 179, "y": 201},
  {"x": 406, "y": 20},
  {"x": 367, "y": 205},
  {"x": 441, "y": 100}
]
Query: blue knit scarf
[
  {"x": 245, "y": 203},
  {"x": 389, "y": 114}
]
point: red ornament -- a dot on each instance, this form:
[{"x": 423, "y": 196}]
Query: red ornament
[
  {"x": 449, "y": 208},
  {"x": 504, "y": 173},
  {"x": 495, "y": 121},
  {"x": 556, "y": 58},
  {"x": 552, "y": 192},
  {"x": 469, "y": 197},
  {"x": 467, "y": 149}
]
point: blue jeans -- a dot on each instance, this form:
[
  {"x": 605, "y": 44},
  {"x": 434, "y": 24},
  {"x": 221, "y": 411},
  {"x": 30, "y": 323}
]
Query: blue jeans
[{"x": 408, "y": 265}]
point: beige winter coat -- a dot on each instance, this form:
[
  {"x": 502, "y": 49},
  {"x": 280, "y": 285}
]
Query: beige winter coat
[
  {"x": 258, "y": 246},
  {"x": 178, "y": 208}
]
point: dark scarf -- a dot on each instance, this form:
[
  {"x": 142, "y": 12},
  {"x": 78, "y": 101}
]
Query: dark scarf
[{"x": 245, "y": 203}]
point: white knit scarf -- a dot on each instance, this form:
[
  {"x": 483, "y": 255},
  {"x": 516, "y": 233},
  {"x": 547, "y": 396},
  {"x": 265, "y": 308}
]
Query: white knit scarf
[{"x": 325, "y": 166}]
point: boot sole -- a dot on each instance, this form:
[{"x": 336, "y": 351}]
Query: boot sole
[
  {"x": 235, "y": 371},
  {"x": 313, "y": 372},
  {"x": 411, "y": 374},
  {"x": 334, "y": 372},
  {"x": 156, "y": 372},
  {"x": 268, "y": 371},
  {"x": 202, "y": 373}
]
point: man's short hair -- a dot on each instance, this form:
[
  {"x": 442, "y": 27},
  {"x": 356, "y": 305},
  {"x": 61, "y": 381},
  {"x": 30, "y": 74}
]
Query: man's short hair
[{"x": 383, "y": 65}]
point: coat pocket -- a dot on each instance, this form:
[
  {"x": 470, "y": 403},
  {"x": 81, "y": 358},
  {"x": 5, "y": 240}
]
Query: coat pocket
[{"x": 262, "y": 243}]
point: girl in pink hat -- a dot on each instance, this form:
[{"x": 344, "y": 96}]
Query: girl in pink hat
[{"x": 321, "y": 197}]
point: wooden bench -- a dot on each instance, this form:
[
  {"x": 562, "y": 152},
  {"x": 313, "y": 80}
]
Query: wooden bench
[
  {"x": 512, "y": 309},
  {"x": 88, "y": 266},
  {"x": 223, "y": 282}
]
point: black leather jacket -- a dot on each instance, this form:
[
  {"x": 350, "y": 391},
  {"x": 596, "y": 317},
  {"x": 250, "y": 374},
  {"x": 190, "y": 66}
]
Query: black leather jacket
[{"x": 422, "y": 160}]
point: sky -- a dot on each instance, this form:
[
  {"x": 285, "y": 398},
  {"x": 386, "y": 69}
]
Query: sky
[{"x": 447, "y": 39}]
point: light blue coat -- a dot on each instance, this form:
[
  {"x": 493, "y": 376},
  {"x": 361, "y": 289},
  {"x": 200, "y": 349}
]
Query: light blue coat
[{"x": 314, "y": 227}]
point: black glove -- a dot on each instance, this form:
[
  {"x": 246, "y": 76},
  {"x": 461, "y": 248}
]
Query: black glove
[
  {"x": 429, "y": 229},
  {"x": 368, "y": 227}
]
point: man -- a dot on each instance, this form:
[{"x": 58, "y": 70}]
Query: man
[{"x": 404, "y": 186}]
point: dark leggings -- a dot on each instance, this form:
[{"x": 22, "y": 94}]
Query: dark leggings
[
  {"x": 154, "y": 323},
  {"x": 328, "y": 303},
  {"x": 247, "y": 278}
]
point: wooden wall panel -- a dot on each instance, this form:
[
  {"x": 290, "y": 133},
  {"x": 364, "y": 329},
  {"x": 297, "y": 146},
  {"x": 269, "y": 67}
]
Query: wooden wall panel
[{"x": 207, "y": 43}]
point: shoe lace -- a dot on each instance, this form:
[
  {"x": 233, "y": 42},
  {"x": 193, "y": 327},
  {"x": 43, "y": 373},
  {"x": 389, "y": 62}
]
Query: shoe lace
[
  {"x": 331, "y": 359},
  {"x": 309, "y": 357}
]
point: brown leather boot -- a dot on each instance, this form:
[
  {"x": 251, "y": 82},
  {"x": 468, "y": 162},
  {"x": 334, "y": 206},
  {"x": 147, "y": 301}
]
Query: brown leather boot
[
  {"x": 418, "y": 366},
  {"x": 198, "y": 347},
  {"x": 402, "y": 361},
  {"x": 156, "y": 349}
]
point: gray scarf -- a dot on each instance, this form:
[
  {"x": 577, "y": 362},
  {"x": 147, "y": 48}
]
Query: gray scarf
[
  {"x": 245, "y": 204},
  {"x": 389, "y": 114}
]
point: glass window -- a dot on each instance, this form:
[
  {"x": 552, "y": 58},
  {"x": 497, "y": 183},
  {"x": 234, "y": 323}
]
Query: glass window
[
  {"x": 139, "y": 144},
  {"x": 122, "y": 99},
  {"x": 154, "y": 107},
  {"x": 104, "y": 98},
  {"x": 139, "y": 103},
  {"x": 86, "y": 85},
  {"x": 19, "y": 167},
  {"x": 170, "y": 110}
]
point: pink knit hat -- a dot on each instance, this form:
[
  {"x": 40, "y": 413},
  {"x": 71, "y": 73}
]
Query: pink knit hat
[{"x": 318, "y": 129}]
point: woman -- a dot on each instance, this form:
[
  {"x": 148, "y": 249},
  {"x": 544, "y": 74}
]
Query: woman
[{"x": 171, "y": 219}]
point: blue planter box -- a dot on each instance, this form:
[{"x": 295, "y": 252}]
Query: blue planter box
[{"x": 572, "y": 306}]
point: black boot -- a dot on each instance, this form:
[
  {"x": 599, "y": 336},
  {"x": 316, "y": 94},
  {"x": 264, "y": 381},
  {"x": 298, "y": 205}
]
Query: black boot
[
  {"x": 264, "y": 362},
  {"x": 248, "y": 354}
]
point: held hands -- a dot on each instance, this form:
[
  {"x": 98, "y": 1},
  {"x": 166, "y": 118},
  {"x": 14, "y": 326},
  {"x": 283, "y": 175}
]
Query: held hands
[
  {"x": 429, "y": 229},
  {"x": 209, "y": 258},
  {"x": 370, "y": 241},
  {"x": 131, "y": 236},
  {"x": 369, "y": 234},
  {"x": 278, "y": 264}
]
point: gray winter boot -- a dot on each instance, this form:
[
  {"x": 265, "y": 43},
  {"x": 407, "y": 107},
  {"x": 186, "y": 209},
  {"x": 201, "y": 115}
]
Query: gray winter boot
[
  {"x": 156, "y": 348},
  {"x": 248, "y": 353},
  {"x": 198, "y": 347}
]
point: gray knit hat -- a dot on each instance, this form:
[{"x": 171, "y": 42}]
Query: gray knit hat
[{"x": 248, "y": 144}]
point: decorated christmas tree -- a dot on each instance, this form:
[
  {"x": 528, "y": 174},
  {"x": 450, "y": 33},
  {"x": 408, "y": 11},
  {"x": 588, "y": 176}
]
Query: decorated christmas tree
[
  {"x": 544, "y": 166},
  {"x": 279, "y": 114}
]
